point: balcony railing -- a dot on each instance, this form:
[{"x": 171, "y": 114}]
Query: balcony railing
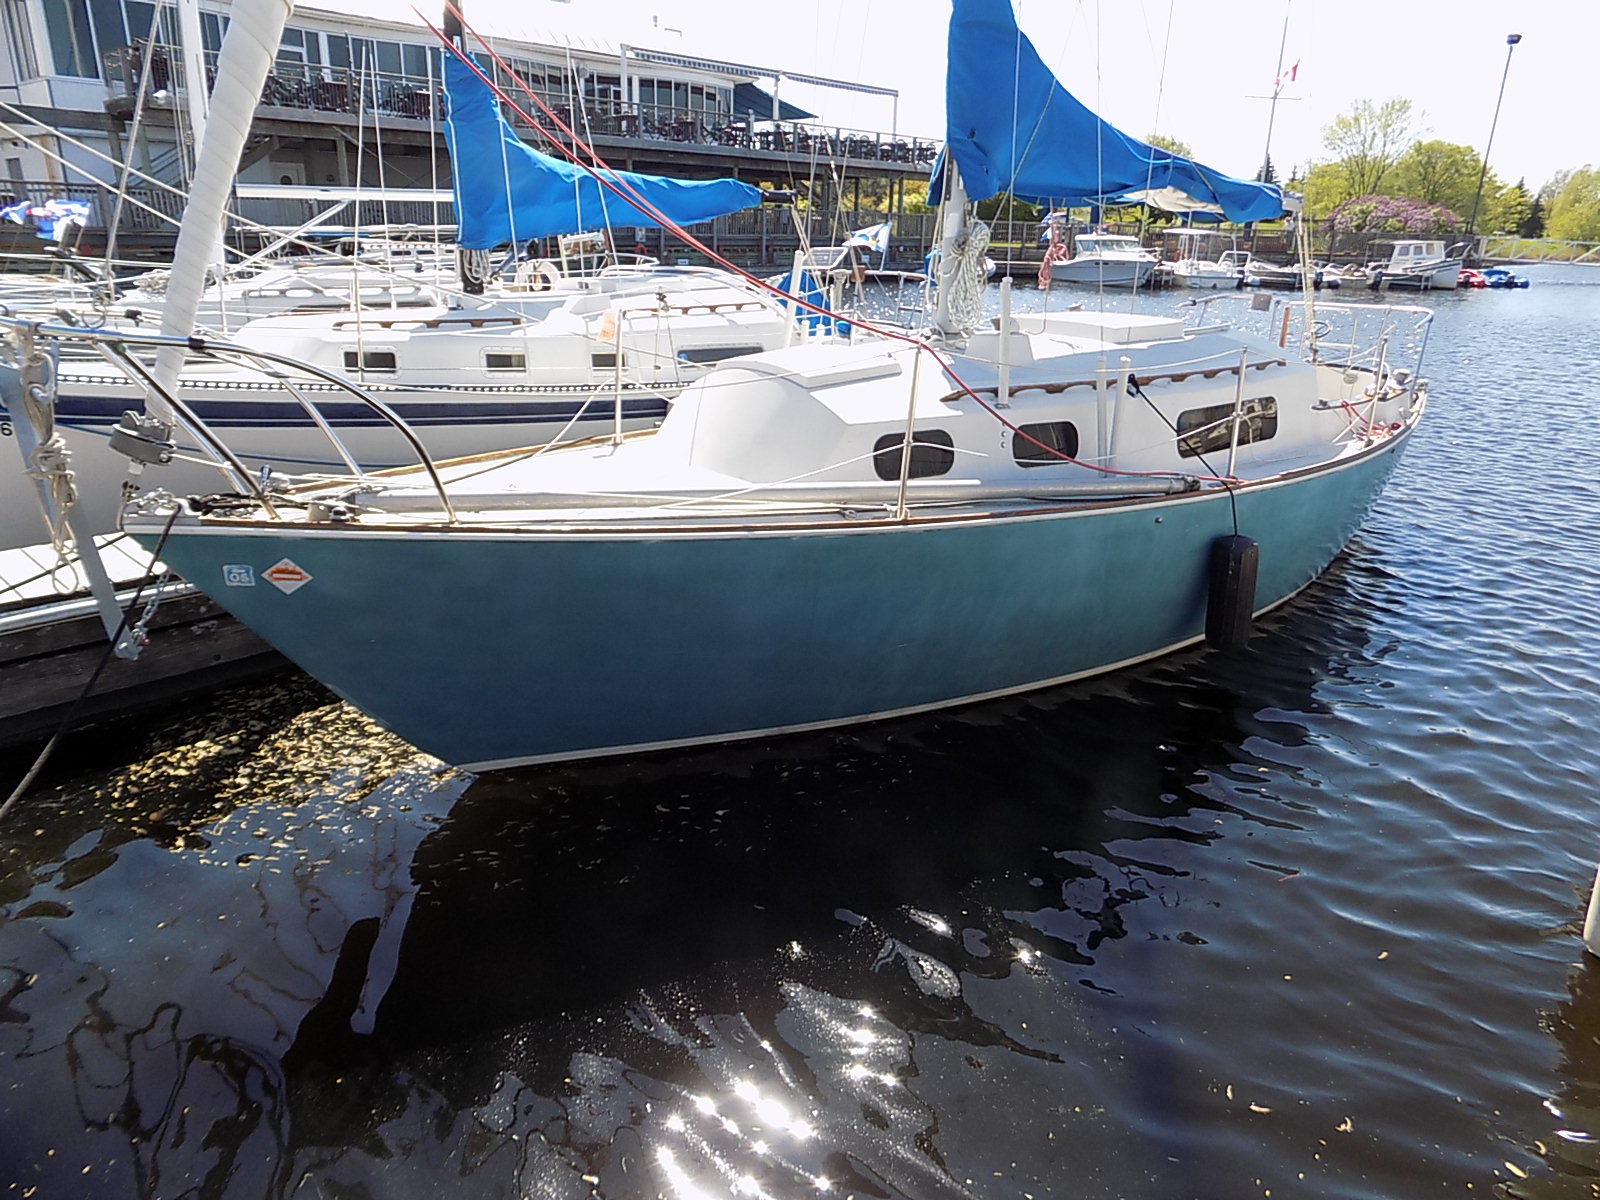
[
  {"x": 761, "y": 237},
  {"x": 387, "y": 96}
]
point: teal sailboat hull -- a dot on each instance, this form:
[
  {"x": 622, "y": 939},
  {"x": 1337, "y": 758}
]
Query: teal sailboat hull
[{"x": 495, "y": 648}]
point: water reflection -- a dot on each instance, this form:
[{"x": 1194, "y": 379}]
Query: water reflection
[
  {"x": 281, "y": 954},
  {"x": 1570, "y": 1147},
  {"x": 168, "y": 924}
]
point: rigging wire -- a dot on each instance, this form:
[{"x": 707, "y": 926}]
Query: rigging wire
[
  {"x": 135, "y": 130},
  {"x": 620, "y": 187},
  {"x": 1150, "y": 167}
]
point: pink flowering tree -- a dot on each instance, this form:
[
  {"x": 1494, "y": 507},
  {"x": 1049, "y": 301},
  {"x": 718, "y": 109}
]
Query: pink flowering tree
[{"x": 1391, "y": 214}]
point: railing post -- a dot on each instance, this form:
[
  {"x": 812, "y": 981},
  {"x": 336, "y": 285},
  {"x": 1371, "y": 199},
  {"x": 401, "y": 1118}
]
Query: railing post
[{"x": 1238, "y": 412}]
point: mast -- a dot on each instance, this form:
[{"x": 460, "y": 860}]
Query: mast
[
  {"x": 1277, "y": 86},
  {"x": 952, "y": 225},
  {"x": 472, "y": 266}
]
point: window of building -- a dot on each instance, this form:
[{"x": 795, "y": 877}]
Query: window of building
[
  {"x": 415, "y": 60},
  {"x": 363, "y": 55},
  {"x": 338, "y": 48},
  {"x": 603, "y": 92},
  {"x": 71, "y": 41},
  {"x": 932, "y": 453},
  {"x": 19, "y": 36},
  {"x": 547, "y": 82},
  {"x": 1051, "y": 441},
  {"x": 110, "y": 32},
  {"x": 1206, "y": 430},
  {"x": 141, "y": 16},
  {"x": 212, "y": 27},
  {"x": 291, "y": 56},
  {"x": 372, "y": 360}
]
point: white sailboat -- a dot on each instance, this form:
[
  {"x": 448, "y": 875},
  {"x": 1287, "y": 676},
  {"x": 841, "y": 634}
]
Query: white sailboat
[
  {"x": 543, "y": 352},
  {"x": 827, "y": 534}
]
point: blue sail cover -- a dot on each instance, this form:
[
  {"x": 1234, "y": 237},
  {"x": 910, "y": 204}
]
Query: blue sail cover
[
  {"x": 551, "y": 197},
  {"x": 1058, "y": 151}
]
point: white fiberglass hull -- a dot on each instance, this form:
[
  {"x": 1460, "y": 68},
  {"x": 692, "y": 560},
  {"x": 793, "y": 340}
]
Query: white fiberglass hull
[
  {"x": 1103, "y": 272},
  {"x": 1206, "y": 277},
  {"x": 449, "y": 428}
]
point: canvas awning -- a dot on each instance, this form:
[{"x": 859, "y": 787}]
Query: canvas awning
[{"x": 748, "y": 98}]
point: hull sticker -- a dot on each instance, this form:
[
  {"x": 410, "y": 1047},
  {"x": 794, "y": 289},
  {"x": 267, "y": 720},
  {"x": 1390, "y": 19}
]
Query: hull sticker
[{"x": 288, "y": 577}]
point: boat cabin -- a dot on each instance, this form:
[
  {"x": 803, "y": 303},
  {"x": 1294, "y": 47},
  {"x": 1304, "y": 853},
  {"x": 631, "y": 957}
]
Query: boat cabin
[
  {"x": 1410, "y": 254},
  {"x": 1120, "y": 245}
]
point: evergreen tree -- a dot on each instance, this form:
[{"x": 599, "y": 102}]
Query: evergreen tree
[{"x": 1533, "y": 224}]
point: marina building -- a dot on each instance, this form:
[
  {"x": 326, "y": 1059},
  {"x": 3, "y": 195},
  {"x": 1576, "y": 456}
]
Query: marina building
[{"x": 95, "y": 95}]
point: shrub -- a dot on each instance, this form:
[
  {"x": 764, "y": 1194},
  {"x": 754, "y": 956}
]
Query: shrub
[{"x": 1391, "y": 214}]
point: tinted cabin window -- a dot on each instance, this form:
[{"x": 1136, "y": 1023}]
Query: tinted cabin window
[
  {"x": 1204, "y": 430},
  {"x": 372, "y": 360},
  {"x": 505, "y": 362},
  {"x": 607, "y": 360},
  {"x": 1059, "y": 438},
  {"x": 715, "y": 354},
  {"x": 932, "y": 453}
]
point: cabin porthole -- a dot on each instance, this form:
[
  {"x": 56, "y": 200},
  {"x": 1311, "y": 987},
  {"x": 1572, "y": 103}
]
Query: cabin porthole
[{"x": 932, "y": 453}]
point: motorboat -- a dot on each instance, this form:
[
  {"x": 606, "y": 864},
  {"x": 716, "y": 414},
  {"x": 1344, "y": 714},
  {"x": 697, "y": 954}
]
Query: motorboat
[
  {"x": 1106, "y": 260},
  {"x": 1502, "y": 277},
  {"x": 1193, "y": 268},
  {"x": 1418, "y": 264}
]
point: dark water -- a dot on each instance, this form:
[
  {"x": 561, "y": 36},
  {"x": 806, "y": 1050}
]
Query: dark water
[{"x": 1297, "y": 922}]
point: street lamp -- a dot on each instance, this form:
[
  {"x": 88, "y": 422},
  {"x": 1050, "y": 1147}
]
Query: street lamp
[{"x": 1511, "y": 44}]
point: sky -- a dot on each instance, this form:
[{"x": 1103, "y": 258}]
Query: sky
[{"x": 1196, "y": 70}]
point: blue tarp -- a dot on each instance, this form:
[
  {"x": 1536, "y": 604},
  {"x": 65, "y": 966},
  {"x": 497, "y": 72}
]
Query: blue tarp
[
  {"x": 551, "y": 197},
  {"x": 1058, "y": 151}
]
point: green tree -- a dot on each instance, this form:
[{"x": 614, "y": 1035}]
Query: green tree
[
  {"x": 1553, "y": 186},
  {"x": 1368, "y": 140},
  {"x": 916, "y": 197},
  {"x": 1266, "y": 174},
  {"x": 1172, "y": 145},
  {"x": 1325, "y": 187},
  {"x": 1533, "y": 224},
  {"x": 1508, "y": 209},
  {"x": 1438, "y": 172},
  {"x": 1006, "y": 207},
  {"x": 1575, "y": 211}
]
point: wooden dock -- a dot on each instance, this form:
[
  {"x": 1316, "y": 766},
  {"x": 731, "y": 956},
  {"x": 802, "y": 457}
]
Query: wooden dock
[{"x": 52, "y": 640}]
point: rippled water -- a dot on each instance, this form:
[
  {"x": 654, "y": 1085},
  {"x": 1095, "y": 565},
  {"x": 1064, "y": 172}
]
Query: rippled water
[{"x": 1301, "y": 921}]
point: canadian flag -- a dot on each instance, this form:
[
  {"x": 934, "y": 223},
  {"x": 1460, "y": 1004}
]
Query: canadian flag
[{"x": 1286, "y": 77}]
